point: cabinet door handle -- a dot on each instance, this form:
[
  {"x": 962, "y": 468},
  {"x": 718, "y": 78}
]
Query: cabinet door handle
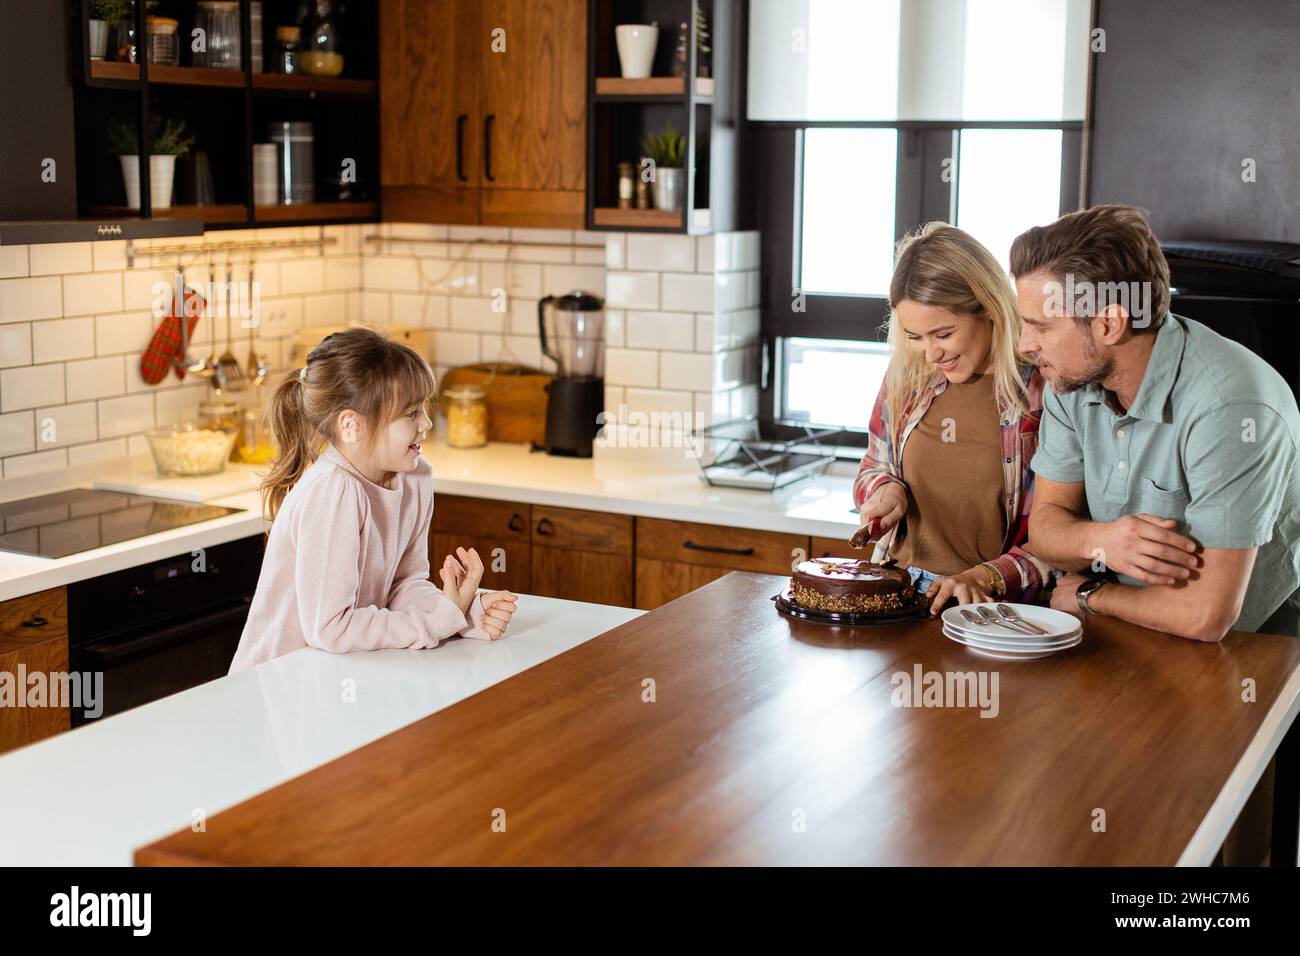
[
  {"x": 516, "y": 522},
  {"x": 487, "y": 147},
  {"x": 37, "y": 621},
  {"x": 714, "y": 549},
  {"x": 545, "y": 528},
  {"x": 461, "y": 120}
]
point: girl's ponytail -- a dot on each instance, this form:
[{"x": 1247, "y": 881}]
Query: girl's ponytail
[{"x": 297, "y": 439}]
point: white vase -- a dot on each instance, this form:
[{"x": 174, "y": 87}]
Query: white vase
[
  {"x": 162, "y": 172},
  {"x": 636, "y": 49},
  {"x": 98, "y": 39},
  {"x": 669, "y": 188}
]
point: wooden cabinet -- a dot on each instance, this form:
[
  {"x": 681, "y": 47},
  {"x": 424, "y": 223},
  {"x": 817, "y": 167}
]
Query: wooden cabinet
[
  {"x": 582, "y": 555},
  {"x": 676, "y": 557},
  {"x": 483, "y": 108},
  {"x": 605, "y": 558},
  {"x": 498, "y": 530},
  {"x": 33, "y": 636}
]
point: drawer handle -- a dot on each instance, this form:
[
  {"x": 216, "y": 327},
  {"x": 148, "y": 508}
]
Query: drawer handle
[
  {"x": 545, "y": 528},
  {"x": 516, "y": 522},
  {"x": 740, "y": 552},
  {"x": 37, "y": 621}
]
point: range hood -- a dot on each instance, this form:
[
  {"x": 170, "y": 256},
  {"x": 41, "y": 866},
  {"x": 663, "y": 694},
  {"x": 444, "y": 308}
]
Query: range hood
[{"x": 34, "y": 232}]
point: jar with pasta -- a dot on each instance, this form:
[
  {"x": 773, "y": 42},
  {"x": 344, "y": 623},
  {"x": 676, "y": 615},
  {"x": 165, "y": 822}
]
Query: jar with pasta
[{"x": 467, "y": 416}]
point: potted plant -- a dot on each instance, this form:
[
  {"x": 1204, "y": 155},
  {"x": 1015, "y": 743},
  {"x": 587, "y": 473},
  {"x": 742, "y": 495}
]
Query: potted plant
[
  {"x": 167, "y": 140},
  {"x": 104, "y": 14},
  {"x": 666, "y": 149}
]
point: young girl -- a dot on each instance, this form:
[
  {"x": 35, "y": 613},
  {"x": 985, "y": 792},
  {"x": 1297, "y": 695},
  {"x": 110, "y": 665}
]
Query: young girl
[{"x": 346, "y": 565}]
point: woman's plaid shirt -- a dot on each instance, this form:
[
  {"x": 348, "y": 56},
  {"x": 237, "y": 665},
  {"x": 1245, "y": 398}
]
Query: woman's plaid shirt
[{"x": 1023, "y": 574}]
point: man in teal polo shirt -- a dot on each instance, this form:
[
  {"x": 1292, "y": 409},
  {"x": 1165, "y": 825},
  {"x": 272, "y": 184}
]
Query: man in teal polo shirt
[{"x": 1167, "y": 454}]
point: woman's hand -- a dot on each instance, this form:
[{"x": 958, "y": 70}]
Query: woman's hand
[
  {"x": 887, "y": 506},
  {"x": 498, "y": 609},
  {"x": 460, "y": 578},
  {"x": 969, "y": 587}
]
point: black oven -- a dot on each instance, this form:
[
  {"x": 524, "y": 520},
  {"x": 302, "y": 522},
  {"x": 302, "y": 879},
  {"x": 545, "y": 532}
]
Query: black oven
[
  {"x": 1248, "y": 291},
  {"x": 164, "y": 627}
]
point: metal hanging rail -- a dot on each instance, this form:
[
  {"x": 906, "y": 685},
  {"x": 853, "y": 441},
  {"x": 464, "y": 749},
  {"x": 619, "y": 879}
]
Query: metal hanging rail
[{"x": 221, "y": 248}]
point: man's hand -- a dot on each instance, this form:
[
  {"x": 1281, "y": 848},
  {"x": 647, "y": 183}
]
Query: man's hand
[
  {"x": 498, "y": 609},
  {"x": 887, "y": 507},
  {"x": 969, "y": 587},
  {"x": 1144, "y": 547},
  {"x": 460, "y": 578},
  {"x": 1065, "y": 595}
]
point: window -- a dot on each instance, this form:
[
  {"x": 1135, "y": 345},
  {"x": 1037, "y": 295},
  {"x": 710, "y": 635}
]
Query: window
[
  {"x": 832, "y": 381},
  {"x": 870, "y": 119}
]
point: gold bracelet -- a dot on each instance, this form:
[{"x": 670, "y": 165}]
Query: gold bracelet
[{"x": 997, "y": 585}]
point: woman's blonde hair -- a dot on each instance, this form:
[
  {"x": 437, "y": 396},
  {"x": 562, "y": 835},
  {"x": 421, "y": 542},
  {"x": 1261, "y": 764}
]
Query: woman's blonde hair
[
  {"x": 943, "y": 266},
  {"x": 360, "y": 369}
]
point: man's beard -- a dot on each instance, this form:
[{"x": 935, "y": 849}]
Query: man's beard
[{"x": 1099, "y": 369}]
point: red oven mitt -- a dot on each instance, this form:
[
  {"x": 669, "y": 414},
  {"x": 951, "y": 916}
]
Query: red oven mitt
[{"x": 164, "y": 349}]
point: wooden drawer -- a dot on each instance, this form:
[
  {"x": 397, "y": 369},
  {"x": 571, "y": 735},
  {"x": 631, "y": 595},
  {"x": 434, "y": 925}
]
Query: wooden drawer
[
  {"x": 582, "y": 530},
  {"x": 478, "y": 517},
  {"x": 733, "y": 548},
  {"x": 34, "y": 636},
  {"x": 33, "y": 619}
]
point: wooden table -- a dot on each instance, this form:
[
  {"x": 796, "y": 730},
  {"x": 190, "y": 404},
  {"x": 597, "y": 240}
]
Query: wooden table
[{"x": 771, "y": 741}]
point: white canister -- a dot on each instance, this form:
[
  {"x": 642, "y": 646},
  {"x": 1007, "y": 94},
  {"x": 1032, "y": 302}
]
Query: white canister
[
  {"x": 266, "y": 181},
  {"x": 636, "y": 48}
]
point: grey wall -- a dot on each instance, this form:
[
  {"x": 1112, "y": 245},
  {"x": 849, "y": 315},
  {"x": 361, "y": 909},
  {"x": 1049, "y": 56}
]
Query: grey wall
[{"x": 1185, "y": 91}]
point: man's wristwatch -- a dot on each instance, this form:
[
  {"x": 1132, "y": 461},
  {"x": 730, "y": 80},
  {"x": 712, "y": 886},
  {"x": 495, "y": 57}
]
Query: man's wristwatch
[{"x": 1086, "y": 588}]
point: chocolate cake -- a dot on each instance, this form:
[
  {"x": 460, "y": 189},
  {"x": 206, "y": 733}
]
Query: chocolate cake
[{"x": 851, "y": 585}]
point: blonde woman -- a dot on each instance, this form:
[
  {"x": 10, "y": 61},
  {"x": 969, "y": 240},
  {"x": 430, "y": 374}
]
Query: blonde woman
[{"x": 945, "y": 487}]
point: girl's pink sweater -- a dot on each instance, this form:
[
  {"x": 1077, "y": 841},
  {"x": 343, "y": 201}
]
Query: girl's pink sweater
[{"x": 347, "y": 569}]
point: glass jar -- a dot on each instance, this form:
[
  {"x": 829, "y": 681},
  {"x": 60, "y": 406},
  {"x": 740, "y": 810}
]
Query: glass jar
[
  {"x": 222, "y": 415},
  {"x": 467, "y": 416},
  {"x": 253, "y": 446},
  {"x": 219, "y": 19},
  {"x": 287, "y": 40},
  {"x": 322, "y": 54},
  {"x": 163, "y": 47}
]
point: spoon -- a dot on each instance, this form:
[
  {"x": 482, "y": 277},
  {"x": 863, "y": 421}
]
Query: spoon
[
  {"x": 1011, "y": 614},
  {"x": 991, "y": 618},
  {"x": 257, "y": 367}
]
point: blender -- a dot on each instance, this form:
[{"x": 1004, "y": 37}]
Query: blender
[{"x": 572, "y": 329}]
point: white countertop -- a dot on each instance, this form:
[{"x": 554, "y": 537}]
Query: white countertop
[
  {"x": 90, "y": 797},
  {"x": 665, "y": 485}
]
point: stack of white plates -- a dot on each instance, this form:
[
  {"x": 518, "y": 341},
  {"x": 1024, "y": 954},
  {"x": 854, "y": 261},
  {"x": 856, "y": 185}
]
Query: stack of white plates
[{"x": 1006, "y": 643}]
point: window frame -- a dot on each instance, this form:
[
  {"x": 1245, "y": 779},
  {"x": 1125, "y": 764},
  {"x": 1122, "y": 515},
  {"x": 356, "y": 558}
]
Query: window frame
[{"x": 777, "y": 190}]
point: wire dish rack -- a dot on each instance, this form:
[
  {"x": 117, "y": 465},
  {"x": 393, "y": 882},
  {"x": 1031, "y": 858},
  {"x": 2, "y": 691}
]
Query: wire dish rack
[{"x": 765, "y": 454}]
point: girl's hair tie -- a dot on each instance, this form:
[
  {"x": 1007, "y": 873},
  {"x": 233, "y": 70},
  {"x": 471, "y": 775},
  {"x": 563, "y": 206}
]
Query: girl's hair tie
[{"x": 302, "y": 374}]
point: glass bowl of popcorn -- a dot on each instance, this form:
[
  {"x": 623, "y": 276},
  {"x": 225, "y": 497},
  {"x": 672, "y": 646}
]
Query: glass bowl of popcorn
[{"x": 185, "y": 450}]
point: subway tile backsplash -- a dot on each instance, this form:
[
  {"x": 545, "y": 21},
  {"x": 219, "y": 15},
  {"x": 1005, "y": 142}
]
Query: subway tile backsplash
[{"x": 682, "y": 320}]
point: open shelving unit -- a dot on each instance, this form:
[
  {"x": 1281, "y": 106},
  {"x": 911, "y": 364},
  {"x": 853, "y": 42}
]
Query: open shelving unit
[
  {"x": 706, "y": 105},
  {"x": 227, "y": 111}
]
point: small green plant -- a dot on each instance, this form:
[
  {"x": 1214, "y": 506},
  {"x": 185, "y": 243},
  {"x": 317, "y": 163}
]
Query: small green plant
[
  {"x": 167, "y": 138},
  {"x": 666, "y": 148},
  {"x": 110, "y": 11}
]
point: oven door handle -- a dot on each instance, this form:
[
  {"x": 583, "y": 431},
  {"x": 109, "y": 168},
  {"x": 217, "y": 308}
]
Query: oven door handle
[{"x": 106, "y": 652}]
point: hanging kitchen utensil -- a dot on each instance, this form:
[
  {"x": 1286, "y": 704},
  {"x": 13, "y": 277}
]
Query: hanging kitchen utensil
[
  {"x": 257, "y": 367},
  {"x": 231, "y": 371}
]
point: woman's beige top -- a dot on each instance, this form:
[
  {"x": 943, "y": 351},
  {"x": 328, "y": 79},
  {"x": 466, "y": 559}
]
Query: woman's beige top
[{"x": 952, "y": 463}]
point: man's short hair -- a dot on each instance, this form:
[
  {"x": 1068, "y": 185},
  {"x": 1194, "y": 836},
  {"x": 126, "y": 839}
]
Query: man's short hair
[{"x": 1109, "y": 247}]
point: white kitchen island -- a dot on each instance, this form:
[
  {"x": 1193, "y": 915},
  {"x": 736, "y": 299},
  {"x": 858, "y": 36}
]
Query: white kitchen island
[{"x": 91, "y": 796}]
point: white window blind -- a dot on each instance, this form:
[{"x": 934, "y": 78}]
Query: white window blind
[{"x": 918, "y": 60}]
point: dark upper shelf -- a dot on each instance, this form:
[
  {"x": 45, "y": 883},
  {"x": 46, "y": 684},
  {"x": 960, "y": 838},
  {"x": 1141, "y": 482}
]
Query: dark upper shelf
[{"x": 271, "y": 83}]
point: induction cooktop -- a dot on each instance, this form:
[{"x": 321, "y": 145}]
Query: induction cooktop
[{"x": 68, "y": 522}]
